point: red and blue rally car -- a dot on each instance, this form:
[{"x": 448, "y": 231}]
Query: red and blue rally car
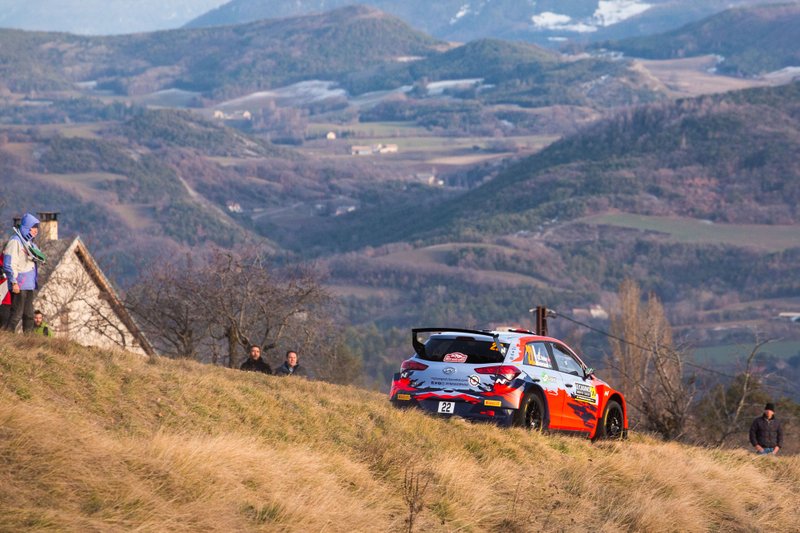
[{"x": 511, "y": 377}]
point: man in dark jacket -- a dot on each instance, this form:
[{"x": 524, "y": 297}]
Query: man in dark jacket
[
  {"x": 291, "y": 367},
  {"x": 766, "y": 434},
  {"x": 255, "y": 363}
]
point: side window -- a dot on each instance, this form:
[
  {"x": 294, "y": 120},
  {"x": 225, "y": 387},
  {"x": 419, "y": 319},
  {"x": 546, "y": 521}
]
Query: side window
[
  {"x": 565, "y": 362},
  {"x": 536, "y": 355}
]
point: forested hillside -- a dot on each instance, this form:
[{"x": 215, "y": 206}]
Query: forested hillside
[
  {"x": 724, "y": 158},
  {"x": 221, "y": 62},
  {"x": 750, "y": 41}
]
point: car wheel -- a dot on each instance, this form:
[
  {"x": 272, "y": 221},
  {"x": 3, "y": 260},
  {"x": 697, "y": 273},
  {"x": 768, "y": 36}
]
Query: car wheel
[
  {"x": 611, "y": 425},
  {"x": 531, "y": 413}
]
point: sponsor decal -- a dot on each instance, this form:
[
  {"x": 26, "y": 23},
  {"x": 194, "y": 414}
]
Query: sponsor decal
[
  {"x": 474, "y": 380},
  {"x": 547, "y": 378},
  {"x": 493, "y": 403},
  {"x": 448, "y": 383},
  {"x": 448, "y": 370},
  {"x": 585, "y": 393},
  {"x": 455, "y": 357},
  {"x": 537, "y": 355},
  {"x": 403, "y": 396}
]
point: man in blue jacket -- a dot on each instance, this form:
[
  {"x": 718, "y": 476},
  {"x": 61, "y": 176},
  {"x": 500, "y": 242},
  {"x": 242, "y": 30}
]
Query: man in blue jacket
[{"x": 22, "y": 274}]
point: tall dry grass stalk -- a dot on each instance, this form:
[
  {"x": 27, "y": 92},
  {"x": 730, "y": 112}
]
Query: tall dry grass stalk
[{"x": 99, "y": 441}]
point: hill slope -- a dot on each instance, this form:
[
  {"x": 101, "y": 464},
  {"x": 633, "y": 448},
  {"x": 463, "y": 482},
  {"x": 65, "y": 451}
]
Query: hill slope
[
  {"x": 690, "y": 158},
  {"x": 99, "y": 440},
  {"x": 751, "y": 41},
  {"x": 224, "y": 62}
]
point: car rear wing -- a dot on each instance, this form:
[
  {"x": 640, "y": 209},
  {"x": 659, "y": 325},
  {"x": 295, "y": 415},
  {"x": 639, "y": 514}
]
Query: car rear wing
[{"x": 419, "y": 347}]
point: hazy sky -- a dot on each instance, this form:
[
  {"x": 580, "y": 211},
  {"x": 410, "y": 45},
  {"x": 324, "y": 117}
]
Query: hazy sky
[{"x": 100, "y": 17}]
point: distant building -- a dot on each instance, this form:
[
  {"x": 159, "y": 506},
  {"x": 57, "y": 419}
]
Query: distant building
[
  {"x": 77, "y": 299},
  {"x": 331, "y": 136},
  {"x": 219, "y": 115},
  {"x": 374, "y": 149},
  {"x": 360, "y": 150},
  {"x": 429, "y": 178},
  {"x": 594, "y": 311},
  {"x": 385, "y": 148},
  {"x": 234, "y": 207}
]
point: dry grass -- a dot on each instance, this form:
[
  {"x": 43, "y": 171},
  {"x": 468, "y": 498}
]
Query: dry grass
[{"x": 98, "y": 441}]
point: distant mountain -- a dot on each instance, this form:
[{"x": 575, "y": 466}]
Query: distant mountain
[
  {"x": 751, "y": 41},
  {"x": 544, "y": 21},
  {"x": 219, "y": 62},
  {"x": 518, "y": 73},
  {"x": 101, "y": 17},
  {"x": 360, "y": 48}
]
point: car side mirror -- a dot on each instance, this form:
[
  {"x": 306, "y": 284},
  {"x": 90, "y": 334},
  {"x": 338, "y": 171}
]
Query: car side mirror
[{"x": 588, "y": 372}]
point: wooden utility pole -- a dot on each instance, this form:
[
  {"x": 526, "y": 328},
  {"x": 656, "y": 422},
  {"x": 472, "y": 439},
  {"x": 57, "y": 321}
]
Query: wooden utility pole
[{"x": 541, "y": 320}]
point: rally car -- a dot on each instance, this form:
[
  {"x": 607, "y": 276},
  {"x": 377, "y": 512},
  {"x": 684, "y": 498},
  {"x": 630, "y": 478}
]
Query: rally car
[{"x": 512, "y": 377}]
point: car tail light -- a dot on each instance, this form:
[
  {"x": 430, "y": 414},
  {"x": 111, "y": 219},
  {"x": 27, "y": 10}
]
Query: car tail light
[
  {"x": 506, "y": 371},
  {"x": 410, "y": 364}
]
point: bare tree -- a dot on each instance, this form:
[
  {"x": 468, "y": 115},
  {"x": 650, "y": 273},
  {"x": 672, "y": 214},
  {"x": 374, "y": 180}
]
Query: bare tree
[
  {"x": 650, "y": 367},
  {"x": 214, "y": 311},
  {"x": 720, "y": 410},
  {"x": 164, "y": 306}
]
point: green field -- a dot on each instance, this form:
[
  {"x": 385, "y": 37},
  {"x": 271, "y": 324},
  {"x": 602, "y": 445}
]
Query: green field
[
  {"x": 771, "y": 238},
  {"x": 730, "y": 353}
]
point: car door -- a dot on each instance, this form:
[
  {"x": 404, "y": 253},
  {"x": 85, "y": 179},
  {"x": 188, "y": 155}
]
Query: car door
[
  {"x": 579, "y": 411},
  {"x": 538, "y": 364}
]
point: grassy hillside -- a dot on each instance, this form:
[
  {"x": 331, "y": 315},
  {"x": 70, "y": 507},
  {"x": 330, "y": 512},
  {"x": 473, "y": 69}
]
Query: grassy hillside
[
  {"x": 752, "y": 41},
  {"x": 95, "y": 440}
]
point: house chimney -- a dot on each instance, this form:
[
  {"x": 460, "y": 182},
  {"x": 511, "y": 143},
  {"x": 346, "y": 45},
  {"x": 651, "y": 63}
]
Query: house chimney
[{"x": 48, "y": 226}]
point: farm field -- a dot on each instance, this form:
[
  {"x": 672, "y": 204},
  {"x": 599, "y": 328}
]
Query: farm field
[
  {"x": 770, "y": 238},
  {"x": 732, "y": 352}
]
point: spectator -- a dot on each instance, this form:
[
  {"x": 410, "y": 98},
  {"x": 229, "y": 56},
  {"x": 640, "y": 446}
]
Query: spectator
[
  {"x": 766, "y": 434},
  {"x": 22, "y": 273},
  {"x": 40, "y": 326},
  {"x": 255, "y": 363},
  {"x": 5, "y": 297},
  {"x": 291, "y": 367}
]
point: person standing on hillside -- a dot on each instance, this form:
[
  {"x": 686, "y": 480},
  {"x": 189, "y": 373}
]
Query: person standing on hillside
[
  {"x": 5, "y": 297},
  {"x": 766, "y": 433},
  {"x": 22, "y": 273},
  {"x": 290, "y": 366},
  {"x": 255, "y": 363}
]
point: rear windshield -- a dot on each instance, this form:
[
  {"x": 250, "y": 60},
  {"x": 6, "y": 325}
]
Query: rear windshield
[{"x": 461, "y": 350}]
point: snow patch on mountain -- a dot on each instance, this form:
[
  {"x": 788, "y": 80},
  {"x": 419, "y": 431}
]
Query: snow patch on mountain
[
  {"x": 608, "y": 12},
  {"x": 558, "y": 22},
  {"x": 614, "y": 11},
  {"x": 464, "y": 11}
]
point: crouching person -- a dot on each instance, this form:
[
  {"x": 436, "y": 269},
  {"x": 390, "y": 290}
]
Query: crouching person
[
  {"x": 40, "y": 327},
  {"x": 255, "y": 363},
  {"x": 291, "y": 366}
]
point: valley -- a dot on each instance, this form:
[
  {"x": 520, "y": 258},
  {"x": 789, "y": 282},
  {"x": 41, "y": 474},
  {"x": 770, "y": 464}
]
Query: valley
[{"x": 429, "y": 182}]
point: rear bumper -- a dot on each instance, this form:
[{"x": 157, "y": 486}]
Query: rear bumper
[{"x": 497, "y": 415}]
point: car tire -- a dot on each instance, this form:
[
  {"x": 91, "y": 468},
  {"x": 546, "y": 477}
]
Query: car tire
[
  {"x": 611, "y": 425},
  {"x": 531, "y": 413}
]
